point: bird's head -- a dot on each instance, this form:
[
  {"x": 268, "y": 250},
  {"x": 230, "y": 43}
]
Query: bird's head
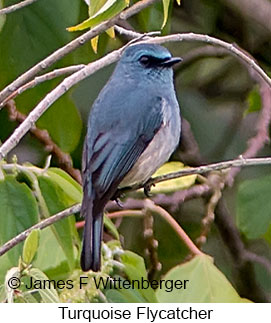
[{"x": 149, "y": 61}]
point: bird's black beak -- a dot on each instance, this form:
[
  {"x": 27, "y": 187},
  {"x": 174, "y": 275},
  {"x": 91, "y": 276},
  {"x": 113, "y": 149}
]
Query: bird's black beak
[{"x": 171, "y": 61}]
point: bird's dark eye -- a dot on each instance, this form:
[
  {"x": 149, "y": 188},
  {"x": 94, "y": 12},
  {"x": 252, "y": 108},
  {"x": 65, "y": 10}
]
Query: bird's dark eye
[{"x": 144, "y": 60}]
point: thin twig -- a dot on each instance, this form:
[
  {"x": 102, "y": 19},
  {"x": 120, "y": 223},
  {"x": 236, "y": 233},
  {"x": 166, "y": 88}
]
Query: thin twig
[
  {"x": 71, "y": 46},
  {"x": 170, "y": 201},
  {"x": 16, "y": 6},
  {"x": 216, "y": 183},
  {"x": 177, "y": 228},
  {"x": 151, "y": 249},
  {"x": 239, "y": 162},
  {"x": 64, "y": 159},
  {"x": 43, "y": 78},
  {"x": 121, "y": 213},
  {"x": 256, "y": 143},
  {"x": 41, "y": 225}
]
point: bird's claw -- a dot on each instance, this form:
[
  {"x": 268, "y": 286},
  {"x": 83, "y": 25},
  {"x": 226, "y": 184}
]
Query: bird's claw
[
  {"x": 147, "y": 189},
  {"x": 116, "y": 197},
  {"x": 119, "y": 203}
]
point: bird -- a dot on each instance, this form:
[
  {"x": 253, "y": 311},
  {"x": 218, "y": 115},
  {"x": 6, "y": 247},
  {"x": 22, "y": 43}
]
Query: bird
[{"x": 133, "y": 128}]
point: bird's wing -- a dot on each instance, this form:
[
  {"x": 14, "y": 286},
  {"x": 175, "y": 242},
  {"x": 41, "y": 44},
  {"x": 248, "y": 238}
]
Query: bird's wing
[{"x": 114, "y": 152}]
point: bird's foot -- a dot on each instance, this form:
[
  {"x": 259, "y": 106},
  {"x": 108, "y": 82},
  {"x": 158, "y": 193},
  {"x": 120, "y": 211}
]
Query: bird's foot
[
  {"x": 147, "y": 189},
  {"x": 119, "y": 203},
  {"x": 116, "y": 197}
]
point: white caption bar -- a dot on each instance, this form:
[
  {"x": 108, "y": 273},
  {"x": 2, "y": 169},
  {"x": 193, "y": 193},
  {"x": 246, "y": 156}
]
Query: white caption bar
[{"x": 150, "y": 313}]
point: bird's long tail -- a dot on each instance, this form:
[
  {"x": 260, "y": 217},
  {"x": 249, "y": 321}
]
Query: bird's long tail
[{"x": 92, "y": 238}]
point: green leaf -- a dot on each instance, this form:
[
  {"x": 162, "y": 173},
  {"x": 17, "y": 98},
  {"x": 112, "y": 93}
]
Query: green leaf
[
  {"x": 2, "y": 17},
  {"x": 206, "y": 284},
  {"x": 111, "y": 227},
  {"x": 124, "y": 296},
  {"x": 50, "y": 257},
  {"x": 27, "y": 297},
  {"x": 254, "y": 207},
  {"x": 166, "y": 4},
  {"x": 135, "y": 270},
  {"x": 18, "y": 211},
  {"x": 95, "y": 6},
  {"x": 30, "y": 246},
  {"x": 172, "y": 185},
  {"x": 68, "y": 185},
  {"x": 57, "y": 199},
  {"x": 110, "y": 9},
  {"x": 28, "y": 28},
  {"x": 254, "y": 101},
  {"x": 48, "y": 294},
  {"x": 115, "y": 296}
]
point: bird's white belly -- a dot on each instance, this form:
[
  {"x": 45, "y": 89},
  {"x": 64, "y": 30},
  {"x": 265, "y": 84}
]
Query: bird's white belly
[{"x": 154, "y": 156}]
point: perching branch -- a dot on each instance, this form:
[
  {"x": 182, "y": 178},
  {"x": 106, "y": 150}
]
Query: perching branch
[
  {"x": 16, "y": 6},
  {"x": 239, "y": 162},
  {"x": 71, "y": 46},
  {"x": 150, "y": 205}
]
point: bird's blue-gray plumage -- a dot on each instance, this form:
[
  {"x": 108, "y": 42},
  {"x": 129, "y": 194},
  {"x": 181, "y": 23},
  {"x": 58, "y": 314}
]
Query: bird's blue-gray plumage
[{"x": 133, "y": 128}]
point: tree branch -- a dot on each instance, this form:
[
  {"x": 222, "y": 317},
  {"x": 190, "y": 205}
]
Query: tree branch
[
  {"x": 91, "y": 68},
  {"x": 43, "y": 78},
  {"x": 41, "y": 225},
  {"x": 149, "y": 205},
  {"x": 16, "y": 6},
  {"x": 239, "y": 162},
  {"x": 64, "y": 159},
  {"x": 170, "y": 201}
]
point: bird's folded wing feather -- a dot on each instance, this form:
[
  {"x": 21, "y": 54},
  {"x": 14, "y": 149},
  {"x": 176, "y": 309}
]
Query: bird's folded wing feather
[{"x": 113, "y": 152}]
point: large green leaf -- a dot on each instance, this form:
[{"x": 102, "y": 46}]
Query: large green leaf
[
  {"x": 68, "y": 185},
  {"x": 49, "y": 293},
  {"x": 50, "y": 256},
  {"x": 36, "y": 31},
  {"x": 206, "y": 284},
  {"x": 254, "y": 207},
  {"x": 134, "y": 268},
  {"x": 65, "y": 233},
  {"x": 124, "y": 296},
  {"x": 18, "y": 211}
]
